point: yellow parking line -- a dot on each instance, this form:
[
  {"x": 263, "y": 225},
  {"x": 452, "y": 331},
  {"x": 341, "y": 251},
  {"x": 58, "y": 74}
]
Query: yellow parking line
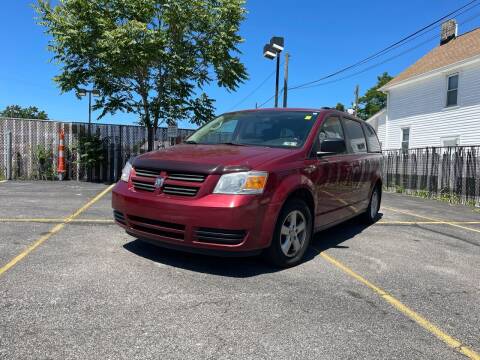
[
  {"x": 52, "y": 232},
  {"x": 387, "y": 222},
  {"x": 99, "y": 221},
  {"x": 420, "y": 320},
  {"x": 451, "y": 223},
  {"x": 37, "y": 220},
  {"x": 58, "y": 220}
]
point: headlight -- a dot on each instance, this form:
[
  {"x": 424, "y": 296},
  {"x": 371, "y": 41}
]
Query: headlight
[
  {"x": 251, "y": 182},
  {"x": 127, "y": 169}
]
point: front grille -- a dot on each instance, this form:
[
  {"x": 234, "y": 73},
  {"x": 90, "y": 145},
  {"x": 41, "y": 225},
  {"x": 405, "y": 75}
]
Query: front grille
[
  {"x": 187, "y": 177},
  {"x": 146, "y": 173},
  {"x": 143, "y": 185},
  {"x": 157, "y": 227},
  {"x": 220, "y": 236},
  {"x": 180, "y": 190},
  {"x": 119, "y": 217}
]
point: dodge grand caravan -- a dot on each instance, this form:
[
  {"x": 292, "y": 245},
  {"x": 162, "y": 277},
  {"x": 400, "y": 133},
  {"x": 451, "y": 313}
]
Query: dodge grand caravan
[{"x": 252, "y": 181}]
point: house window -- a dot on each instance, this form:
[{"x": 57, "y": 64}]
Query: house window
[
  {"x": 405, "y": 139},
  {"x": 452, "y": 90}
]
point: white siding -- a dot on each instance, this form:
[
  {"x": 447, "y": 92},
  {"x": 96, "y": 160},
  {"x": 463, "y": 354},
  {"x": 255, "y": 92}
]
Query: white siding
[
  {"x": 420, "y": 106},
  {"x": 378, "y": 123}
]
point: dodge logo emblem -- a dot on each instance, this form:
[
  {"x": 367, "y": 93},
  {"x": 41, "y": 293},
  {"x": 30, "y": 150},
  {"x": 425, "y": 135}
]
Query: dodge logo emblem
[{"x": 159, "y": 182}]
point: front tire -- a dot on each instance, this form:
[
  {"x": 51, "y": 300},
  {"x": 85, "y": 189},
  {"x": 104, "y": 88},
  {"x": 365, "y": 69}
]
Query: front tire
[
  {"x": 371, "y": 214},
  {"x": 292, "y": 235}
]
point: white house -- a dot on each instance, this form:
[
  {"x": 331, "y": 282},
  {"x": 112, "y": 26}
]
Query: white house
[{"x": 436, "y": 101}]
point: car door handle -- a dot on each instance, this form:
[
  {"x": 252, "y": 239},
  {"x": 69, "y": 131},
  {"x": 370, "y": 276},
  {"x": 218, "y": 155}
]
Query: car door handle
[{"x": 310, "y": 168}]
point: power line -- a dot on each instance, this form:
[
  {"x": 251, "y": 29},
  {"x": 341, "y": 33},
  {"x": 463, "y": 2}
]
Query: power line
[
  {"x": 252, "y": 92},
  {"x": 384, "y": 61},
  {"x": 270, "y": 98},
  {"x": 388, "y": 48}
]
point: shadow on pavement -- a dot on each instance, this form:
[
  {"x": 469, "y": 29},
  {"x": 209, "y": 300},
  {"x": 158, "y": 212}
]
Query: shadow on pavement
[{"x": 242, "y": 267}]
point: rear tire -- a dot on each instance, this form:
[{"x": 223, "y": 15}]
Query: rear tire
[
  {"x": 371, "y": 214},
  {"x": 292, "y": 235}
]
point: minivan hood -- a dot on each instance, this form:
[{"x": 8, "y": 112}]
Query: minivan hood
[{"x": 209, "y": 159}]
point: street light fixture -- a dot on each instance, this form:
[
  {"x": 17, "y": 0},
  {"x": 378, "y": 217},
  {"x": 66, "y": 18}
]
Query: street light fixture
[
  {"x": 272, "y": 51},
  {"x": 269, "y": 52},
  {"x": 84, "y": 92}
]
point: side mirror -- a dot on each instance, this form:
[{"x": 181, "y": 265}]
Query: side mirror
[{"x": 331, "y": 147}]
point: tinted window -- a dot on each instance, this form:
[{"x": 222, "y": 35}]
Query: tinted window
[
  {"x": 356, "y": 139},
  {"x": 372, "y": 140},
  {"x": 262, "y": 128}
]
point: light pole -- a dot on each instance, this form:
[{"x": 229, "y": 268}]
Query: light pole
[
  {"x": 84, "y": 92},
  {"x": 272, "y": 51}
]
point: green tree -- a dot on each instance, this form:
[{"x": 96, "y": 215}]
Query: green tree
[
  {"x": 31, "y": 112},
  {"x": 374, "y": 100},
  {"x": 340, "y": 107},
  {"x": 152, "y": 58}
]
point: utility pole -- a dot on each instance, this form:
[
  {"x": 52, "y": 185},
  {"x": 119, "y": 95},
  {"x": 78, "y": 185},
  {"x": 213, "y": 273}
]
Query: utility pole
[
  {"x": 355, "y": 110},
  {"x": 285, "y": 80}
]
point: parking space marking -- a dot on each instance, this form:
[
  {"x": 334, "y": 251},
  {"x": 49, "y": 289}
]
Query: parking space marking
[
  {"x": 53, "y": 231},
  {"x": 451, "y": 223},
  {"x": 58, "y": 220},
  {"x": 405, "y": 310},
  {"x": 387, "y": 222}
]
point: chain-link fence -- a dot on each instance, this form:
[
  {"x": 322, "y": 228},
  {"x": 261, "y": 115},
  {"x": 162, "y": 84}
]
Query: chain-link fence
[
  {"x": 448, "y": 173},
  {"x": 34, "y": 148}
]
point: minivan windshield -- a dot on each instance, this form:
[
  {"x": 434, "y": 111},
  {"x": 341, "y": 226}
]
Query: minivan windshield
[{"x": 258, "y": 128}]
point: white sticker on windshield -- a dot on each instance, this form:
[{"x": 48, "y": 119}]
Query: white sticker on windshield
[{"x": 289, "y": 143}]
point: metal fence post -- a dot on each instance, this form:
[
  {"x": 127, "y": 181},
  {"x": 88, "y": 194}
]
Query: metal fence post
[
  {"x": 8, "y": 152},
  {"x": 116, "y": 163}
]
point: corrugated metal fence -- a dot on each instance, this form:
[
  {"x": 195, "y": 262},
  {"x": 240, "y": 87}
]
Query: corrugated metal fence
[
  {"x": 449, "y": 173},
  {"x": 33, "y": 141}
]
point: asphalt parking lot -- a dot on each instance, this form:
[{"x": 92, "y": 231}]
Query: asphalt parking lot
[{"x": 73, "y": 285}]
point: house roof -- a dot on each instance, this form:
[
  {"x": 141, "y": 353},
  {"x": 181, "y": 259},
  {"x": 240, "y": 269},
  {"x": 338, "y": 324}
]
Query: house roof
[{"x": 461, "y": 48}]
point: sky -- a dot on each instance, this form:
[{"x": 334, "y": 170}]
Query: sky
[{"x": 320, "y": 36}]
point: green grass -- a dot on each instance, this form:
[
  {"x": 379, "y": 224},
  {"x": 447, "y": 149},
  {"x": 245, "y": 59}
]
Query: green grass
[{"x": 444, "y": 196}]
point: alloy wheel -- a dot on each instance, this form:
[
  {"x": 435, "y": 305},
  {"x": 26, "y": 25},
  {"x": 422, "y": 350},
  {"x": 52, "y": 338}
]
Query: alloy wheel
[{"x": 293, "y": 233}]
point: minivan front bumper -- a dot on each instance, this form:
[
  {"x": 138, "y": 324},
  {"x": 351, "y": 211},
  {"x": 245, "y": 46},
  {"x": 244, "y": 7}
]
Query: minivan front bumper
[{"x": 210, "y": 223}]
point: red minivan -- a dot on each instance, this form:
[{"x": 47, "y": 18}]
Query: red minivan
[{"x": 252, "y": 181}]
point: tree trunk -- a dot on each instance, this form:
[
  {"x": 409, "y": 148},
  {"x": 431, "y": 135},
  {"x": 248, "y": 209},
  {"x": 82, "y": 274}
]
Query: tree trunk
[{"x": 150, "y": 137}]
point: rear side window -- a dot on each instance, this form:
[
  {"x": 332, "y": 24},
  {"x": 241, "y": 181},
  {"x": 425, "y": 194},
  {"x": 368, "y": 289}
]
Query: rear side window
[
  {"x": 356, "y": 139},
  {"x": 372, "y": 140}
]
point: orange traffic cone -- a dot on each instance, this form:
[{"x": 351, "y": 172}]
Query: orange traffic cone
[{"x": 61, "y": 156}]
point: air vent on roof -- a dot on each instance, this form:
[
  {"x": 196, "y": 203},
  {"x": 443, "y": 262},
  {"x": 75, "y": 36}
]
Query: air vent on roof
[{"x": 449, "y": 31}]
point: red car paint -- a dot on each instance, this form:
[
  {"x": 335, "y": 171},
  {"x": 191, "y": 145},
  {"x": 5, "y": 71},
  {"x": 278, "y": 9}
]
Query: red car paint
[{"x": 337, "y": 187}]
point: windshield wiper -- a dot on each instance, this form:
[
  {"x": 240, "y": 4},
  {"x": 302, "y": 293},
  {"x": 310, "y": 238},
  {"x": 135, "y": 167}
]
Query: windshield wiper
[
  {"x": 231, "y": 143},
  {"x": 190, "y": 142}
]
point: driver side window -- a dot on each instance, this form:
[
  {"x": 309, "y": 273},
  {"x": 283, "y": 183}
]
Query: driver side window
[{"x": 331, "y": 129}]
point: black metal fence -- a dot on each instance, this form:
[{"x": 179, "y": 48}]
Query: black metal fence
[
  {"x": 448, "y": 173},
  {"x": 29, "y": 148}
]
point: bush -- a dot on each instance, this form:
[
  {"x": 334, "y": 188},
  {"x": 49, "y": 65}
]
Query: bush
[
  {"x": 44, "y": 158},
  {"x": 91, "y": 151}
]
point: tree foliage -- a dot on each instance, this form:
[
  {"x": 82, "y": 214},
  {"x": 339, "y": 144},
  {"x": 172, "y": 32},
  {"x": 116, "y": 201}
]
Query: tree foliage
[
  {"x": 374, "y": 100},
  {"x": 340, "y": 107},
  {"x": 148, "y": 57},
  {"x": 31, "y": 112}
]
